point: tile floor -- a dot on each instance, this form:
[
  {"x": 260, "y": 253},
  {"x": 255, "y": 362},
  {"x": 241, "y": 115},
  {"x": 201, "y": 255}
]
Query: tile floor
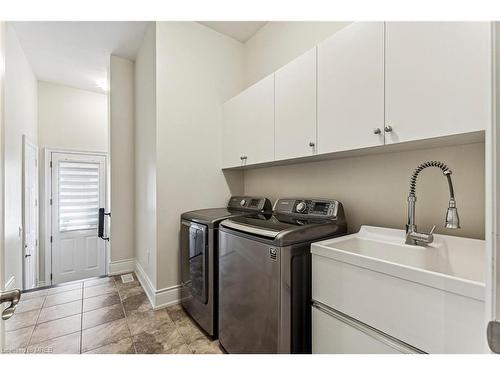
[{"x": 101, "y": 316}]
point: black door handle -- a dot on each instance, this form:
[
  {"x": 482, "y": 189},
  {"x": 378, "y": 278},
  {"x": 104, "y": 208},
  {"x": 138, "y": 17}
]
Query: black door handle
[{"x": 100, "y": 228}]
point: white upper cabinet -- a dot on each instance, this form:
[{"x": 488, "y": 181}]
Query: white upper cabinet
[
  {"x": 351, "y": 88},
  {"x": 369, "y": 84},
  {"x": 295, "y": 106},
  {"x": 438, "y": 79},
  {"x": 249, "y": 125},
  {"x": 232, "y": 142}
]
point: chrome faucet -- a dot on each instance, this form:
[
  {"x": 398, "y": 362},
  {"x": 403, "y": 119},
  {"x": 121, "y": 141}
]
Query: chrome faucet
[{"x": 452, "y": 220}]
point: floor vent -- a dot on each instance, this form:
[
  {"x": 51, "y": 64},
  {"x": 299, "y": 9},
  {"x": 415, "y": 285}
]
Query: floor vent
[{"x": 128, "y": 278}]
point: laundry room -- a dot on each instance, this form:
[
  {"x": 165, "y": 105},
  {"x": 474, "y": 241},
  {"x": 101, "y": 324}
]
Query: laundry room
[
  {"x": 295, "y": 188},
  {"x": 330, "y": 170}
]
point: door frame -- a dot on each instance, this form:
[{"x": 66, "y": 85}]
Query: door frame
[
  {"x": 47, "y": 183},
  {"x": 493, "y": 183},
  {"x": 492, "y": 187},
  {"x": 28, "y": 141},
  {"x": 2, "y": 168}
]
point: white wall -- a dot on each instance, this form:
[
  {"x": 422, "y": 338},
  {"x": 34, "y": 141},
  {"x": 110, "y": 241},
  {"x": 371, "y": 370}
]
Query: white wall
[
  {"x": 277, "y": 43},
  {"x": 72, "y": 118},
  {"x": 20, "y": 119},
  {"x": 184, "y": 72},
  {"x": 68, "y": 118},
  {"x": 145, "y": 155},
  {"x": 198, "y": 69},
  {"x": 372, "y": 188},
  {"x": 121, "y": 98}
]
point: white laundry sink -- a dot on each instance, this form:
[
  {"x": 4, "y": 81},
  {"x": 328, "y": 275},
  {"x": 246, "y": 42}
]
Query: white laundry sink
[
  {"x": 430, "y": 297},
  {"x": 455, "y": 264}
]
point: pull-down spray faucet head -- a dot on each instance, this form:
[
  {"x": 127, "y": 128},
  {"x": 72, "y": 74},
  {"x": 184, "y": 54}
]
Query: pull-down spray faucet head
[
  {"x": 452, "y": 219},
  {"x": 413, "y": 237}
]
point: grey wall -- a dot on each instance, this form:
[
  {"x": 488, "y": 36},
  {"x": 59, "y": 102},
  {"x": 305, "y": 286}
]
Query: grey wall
[{"x": 374, "y": 188}]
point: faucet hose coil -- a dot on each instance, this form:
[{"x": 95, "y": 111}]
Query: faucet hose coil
[{"x": 427, "y": 164}]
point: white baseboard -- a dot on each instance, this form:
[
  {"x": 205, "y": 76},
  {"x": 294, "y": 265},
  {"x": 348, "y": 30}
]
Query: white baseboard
[
  {"x": 121, "y": 266},
  {"x": 159, "y": 298},
  {"x": 168, "y": 296},
  {"x": 42, "y": 284},
  {"x": 146, "y": 283},
  {"x": 11, "y": 283}
]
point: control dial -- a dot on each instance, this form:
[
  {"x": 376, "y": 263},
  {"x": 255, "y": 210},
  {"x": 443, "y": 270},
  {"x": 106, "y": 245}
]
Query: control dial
[
  {"x": 243, "y": 202},
  {"x": 301, "y": 207}
]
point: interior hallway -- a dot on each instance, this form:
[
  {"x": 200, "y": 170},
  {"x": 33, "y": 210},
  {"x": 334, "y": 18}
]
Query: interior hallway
[{"x": 102, "y": 315}]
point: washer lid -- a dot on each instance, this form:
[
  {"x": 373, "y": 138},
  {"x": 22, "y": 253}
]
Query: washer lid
[
  {"x": 284, "y": 229},
  {"x": 237, "y": 206},
  {"x": 211, "y": 216}
]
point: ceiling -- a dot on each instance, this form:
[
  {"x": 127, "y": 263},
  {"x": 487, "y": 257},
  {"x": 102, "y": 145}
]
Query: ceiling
[
  {"x": 239, "y": 30},
  {"x": 77, "y": 54}
]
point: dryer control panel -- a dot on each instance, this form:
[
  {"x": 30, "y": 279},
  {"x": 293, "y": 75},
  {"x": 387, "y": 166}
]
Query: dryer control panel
[
  {"x": 249, "y": 203},
  {"x": 324, "y": 208}
]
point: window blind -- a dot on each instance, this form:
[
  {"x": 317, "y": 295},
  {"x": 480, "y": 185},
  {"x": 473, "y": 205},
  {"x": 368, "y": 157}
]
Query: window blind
[{"x": 78, "y": 196}]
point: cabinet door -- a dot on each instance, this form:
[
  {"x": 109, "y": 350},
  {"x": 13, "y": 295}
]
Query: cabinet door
[
  {"x": 438, "y": 78},
  {"x": 351, "y": 88},
  {"x": 331, "y": 335},
  {"x": 295, "y": 106},
  {"x": 232, "y": 146},
  {"x": 249, "y": 125}
]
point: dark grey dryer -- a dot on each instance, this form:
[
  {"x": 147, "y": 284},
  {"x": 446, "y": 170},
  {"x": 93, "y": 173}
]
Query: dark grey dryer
[
  {"x": 199, "y": 255},
  {"x": 265, "y": 275}
]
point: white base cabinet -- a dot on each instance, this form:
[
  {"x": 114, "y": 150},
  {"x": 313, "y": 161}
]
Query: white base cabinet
[
  {"x": 433, "y": 320},
  {"x": 336, "y": 333}
]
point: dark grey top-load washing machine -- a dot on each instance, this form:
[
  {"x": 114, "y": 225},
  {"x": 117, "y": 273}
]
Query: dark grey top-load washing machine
[
  {"x": 265, "y": 275},
  {"x": 199, "y": 255}
]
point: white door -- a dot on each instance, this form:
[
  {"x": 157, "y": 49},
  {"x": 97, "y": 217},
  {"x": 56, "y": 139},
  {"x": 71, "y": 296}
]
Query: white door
[
  {"x": 295, "y": 108},
  {"x": 438, "y": 78},
  {"x": 351, "y": 88},
  {"x": 30, "y": 214},
  {"x": 78, "y": 190},
  {"x": 249, "y": 125}
]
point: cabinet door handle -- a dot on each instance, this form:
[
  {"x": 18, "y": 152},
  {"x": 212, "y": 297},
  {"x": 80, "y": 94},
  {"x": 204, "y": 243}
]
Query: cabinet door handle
[
  {"x": 367, "y": 330},
  {"x": 377, "y": 131},
  {"x": 388, "y": 128},
  {"x": 312, "y": 144},
  {"x": 243, "y": 158}
]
